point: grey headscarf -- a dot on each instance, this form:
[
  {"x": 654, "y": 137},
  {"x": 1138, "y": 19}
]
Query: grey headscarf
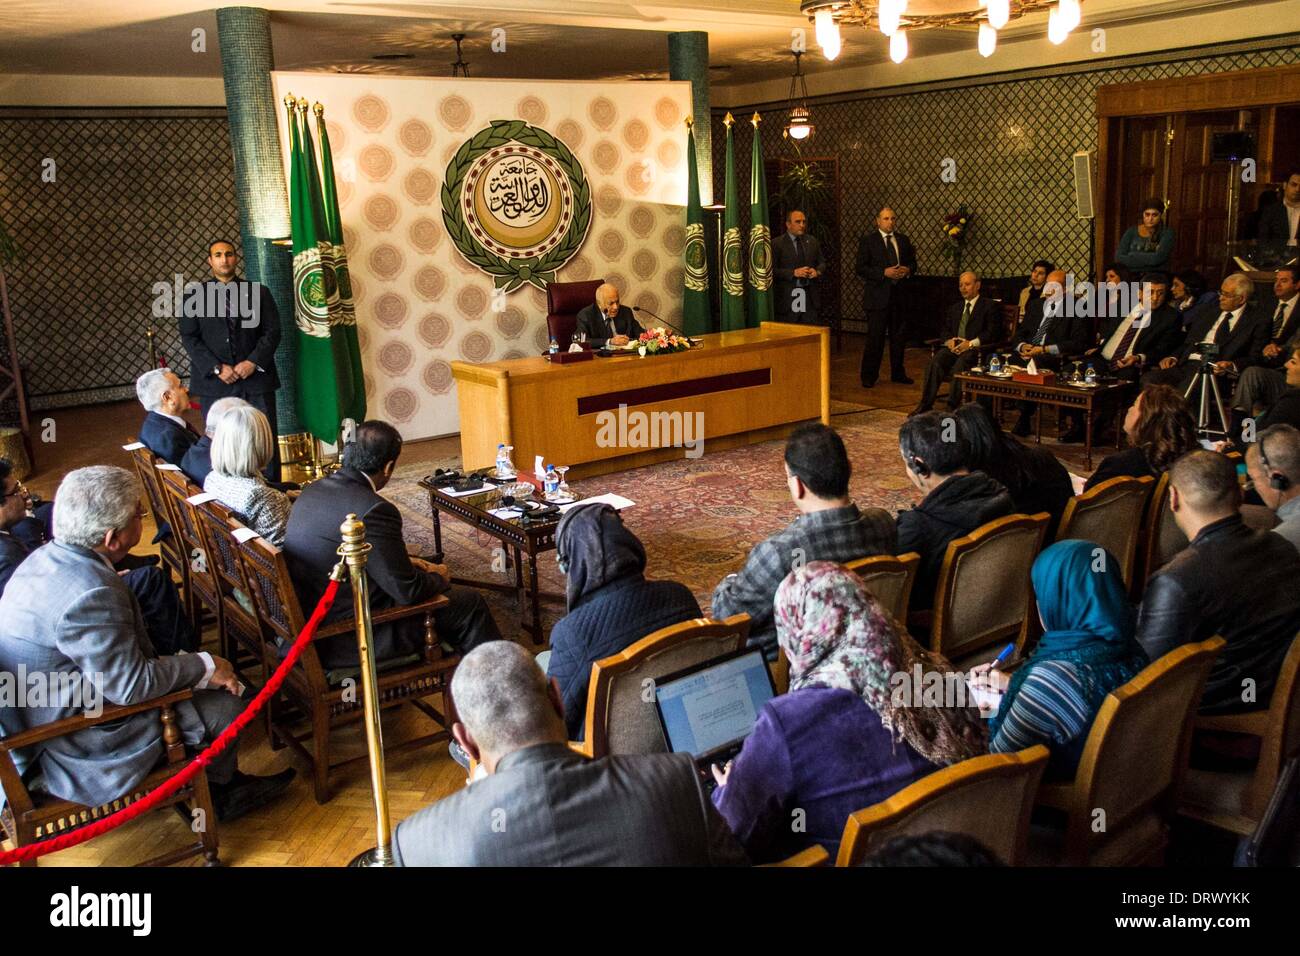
[{"x": 595, "y": 549}]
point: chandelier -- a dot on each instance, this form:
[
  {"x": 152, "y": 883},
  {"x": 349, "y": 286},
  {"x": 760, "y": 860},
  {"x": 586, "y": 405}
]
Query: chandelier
[
  {"x": 895, "y": 18},
  {"x": 799, "y": 126}
]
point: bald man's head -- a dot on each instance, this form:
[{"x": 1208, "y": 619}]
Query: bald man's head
[
  {"x": 885, "y": 219},
  {"x": 968, "y": 283},
  {"x": 1054, "y": 288},
  {"x": 607, "y": 299}
]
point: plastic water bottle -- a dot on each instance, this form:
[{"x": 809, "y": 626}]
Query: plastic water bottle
[
  {"x": 503, "y": 461},
  {"x": 1090, "y": 376},
  {"x": 552, "y": 485},
  {"x": 555, "y": 346},
  {"x": 995, "y": 365}
]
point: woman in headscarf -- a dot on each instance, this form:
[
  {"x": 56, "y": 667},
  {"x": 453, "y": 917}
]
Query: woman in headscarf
[
  {"x": 855, "y": 727},
  {"x": 1088, "y": 650},
  {"x": 610, "y": 604}
]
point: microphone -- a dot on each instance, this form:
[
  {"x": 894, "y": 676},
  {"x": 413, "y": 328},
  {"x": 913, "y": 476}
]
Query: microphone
[{"x": 637, "y": 308}]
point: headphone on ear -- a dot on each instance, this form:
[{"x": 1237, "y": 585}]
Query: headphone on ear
[
  {"x": 1276, "y": 480},
  {"x": 920, "y": 467}
]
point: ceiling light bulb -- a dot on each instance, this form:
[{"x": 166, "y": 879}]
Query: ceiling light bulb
[
  {"x": 890, "y": 13},
  {"x": 1070, "y": 14},
  {"x": 1056, "y": 31},
  {"x": 831, "y": 48},
  {"x": 898, "y": 46},
  {"x": 823, "y": 20},
  {"x": 799, "y": 132},
  {"x": 999, "y": 13},
  {"x": 988, "y": 40}
]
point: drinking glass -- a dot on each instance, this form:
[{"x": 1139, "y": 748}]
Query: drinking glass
[
  {"x": 563, "y": 493},
  {"x": 1006, "y": 363},
  {"x": 1077, "y": 376}
]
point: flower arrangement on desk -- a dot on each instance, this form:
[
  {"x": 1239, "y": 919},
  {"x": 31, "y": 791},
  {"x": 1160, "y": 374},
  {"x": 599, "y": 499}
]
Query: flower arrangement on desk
[
  {"x": 659, "y": 341},
  {"x": 955, "y": 226}
]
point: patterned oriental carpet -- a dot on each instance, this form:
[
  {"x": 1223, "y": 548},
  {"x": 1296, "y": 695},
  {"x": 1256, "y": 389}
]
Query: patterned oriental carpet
[{"x": 697, "y": 518}]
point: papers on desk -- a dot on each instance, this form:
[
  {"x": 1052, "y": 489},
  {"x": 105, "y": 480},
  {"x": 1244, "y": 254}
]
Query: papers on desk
[
  {"x": 1078, "y": 481},
  {"x": 451, "y": 492},
  {"x": 987, "y": 700},
  {"x": 618, "y": 502}
]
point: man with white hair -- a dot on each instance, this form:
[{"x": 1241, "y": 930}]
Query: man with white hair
[
  {"x": 1237, "y": 331},
  {"x": 66, "y": 612},
  {"x": 542, "y": 804},
  {"x": 607, "y": 322},
  {"x": 197, "y": 461},
  {"x": 1273, "y": 463},
  {"x": 165, "y": 432}
]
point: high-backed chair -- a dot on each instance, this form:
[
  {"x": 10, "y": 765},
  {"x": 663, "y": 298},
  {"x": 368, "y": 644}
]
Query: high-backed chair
[
  {"x": 564, "y": 300},
  {"x": 170, "y": 548},
  {"x": 988, "y": 798},
  {"x": 203, "y": 578},
  {"x": 1236, "y": 801},
  {"x": 1161, "y": 536},
  {"x": 984, "y": 596},
  {"x": 30, "y": 816},
  {"x": 323, "y": 696},
  {"x": 1117, "y": 808},
  {"x": 1110, "y": 515},
  {"x": 889, "y": 578},
  {"x": 620, "y": 720},
  {"x": 241, "y": 632}
]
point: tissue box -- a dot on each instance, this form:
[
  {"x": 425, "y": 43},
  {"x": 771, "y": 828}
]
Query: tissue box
[
  {"x": 564, "y": 358},
  {"x": 1045, "y": 377}
]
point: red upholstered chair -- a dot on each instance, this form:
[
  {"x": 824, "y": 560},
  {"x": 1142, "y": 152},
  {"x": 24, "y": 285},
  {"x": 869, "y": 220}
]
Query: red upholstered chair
[{"x": 564, "y": 300}]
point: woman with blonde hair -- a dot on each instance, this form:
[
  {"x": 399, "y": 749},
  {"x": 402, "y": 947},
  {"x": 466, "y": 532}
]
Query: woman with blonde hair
[{"x": 241, "y": 448}]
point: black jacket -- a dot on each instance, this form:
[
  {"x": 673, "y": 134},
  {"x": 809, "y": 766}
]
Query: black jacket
[
  {"x": 1162, "y": 337},
  {"x": 1245, "y": 344},
  {"x": 197, "y": 461},
  {"x": 1129, "y": 463},
  {"x": 1235, "y": 582},
  {"x": 1290, "y": 330},
  {"x": 873, "y": 259},
  {"x": 985, "y": 321},
  {"x": 784, "y": 261},
  {"x": 593, "y": 321},
  {"x": 1274, "y": 228},
  {"x": 212, "y": 339},
  {"x": 165, "y": 438},
  {"x": 310, "y": 543},
  {"x": 1067, "y": 332},
  {"x": 1285, "y": 411},
  {"x": 1035, "y": 479},
  {"x": 957, "y": 507}
]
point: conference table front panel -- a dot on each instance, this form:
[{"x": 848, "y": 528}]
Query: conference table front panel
[{"x": 743, "y": 386}]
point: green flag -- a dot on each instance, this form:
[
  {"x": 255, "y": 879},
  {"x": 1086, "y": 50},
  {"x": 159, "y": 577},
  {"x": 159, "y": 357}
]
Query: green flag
[
  {"x": 696, "y": 319},
  {"x": 324, "y": 386},
  {"x": 347, "y": 323},
  {"x": 733, "y": 274},
  {"x": 760, "y": 239}
]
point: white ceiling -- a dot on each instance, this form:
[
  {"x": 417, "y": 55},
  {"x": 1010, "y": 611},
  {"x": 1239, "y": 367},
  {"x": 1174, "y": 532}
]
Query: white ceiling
[{"x": 749, "y": 40}]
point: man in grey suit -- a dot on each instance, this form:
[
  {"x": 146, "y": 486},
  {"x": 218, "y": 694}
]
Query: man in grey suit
[
  {"x": 798, "y": 265},
  {"x": 68, "y": 621},
  {"x": 607, "y": 322},
  {"x": 542, "y": 804}
]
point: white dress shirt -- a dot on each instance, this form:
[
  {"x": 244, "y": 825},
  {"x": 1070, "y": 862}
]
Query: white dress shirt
[
  {"x": 1138, "y": 316},
  {"x": 1233, "y": 317}
]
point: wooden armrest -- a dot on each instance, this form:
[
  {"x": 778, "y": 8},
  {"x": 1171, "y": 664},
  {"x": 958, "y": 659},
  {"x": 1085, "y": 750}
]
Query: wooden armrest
[
  {"x": 933, "y": 342},
  {"x": 1254, "y": 723},
  {"x": 384, "y": 617},
  {"x": 813, "y": 856},
  {"x": 581, "y": 747},
  {"x": 71, "y": 724},
  {"x": 1054, "y": 795}
]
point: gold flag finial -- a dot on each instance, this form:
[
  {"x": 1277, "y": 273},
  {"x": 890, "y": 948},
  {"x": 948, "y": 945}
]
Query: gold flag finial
[
  {"x": 289, "y": 100},
  {"x": 302, "y": 105},
  {"x": 690, "y": 121},
  {"x": 756, "y": 119},
  {"x": 318, "y": 108},
  {"x": 728, "y": 119}
]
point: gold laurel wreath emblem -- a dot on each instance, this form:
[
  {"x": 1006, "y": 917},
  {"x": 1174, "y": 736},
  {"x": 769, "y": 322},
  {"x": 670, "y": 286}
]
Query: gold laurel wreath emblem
[{"x": 733, "y": 279}]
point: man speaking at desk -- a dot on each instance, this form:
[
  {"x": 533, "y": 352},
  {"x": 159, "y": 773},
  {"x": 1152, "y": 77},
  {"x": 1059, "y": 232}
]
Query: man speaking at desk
[{"x": 607, "y": 323}]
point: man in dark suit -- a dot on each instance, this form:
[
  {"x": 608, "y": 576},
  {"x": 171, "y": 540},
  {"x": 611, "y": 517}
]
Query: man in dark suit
[
  {"x": 798, "y": 265},
  {"x": 970, "y": 323},
  {"x": 1279, "y": 226},
  {"x": 1263, "y": 384},
  {"x": 886, "y": 259},
  {"x": 542, "y": 804},
  {"x": 164, "y": 431},
  {"x": 1049, "y": 332},
  {"x": 396, "y": 579},
  {"x": 231, "y": 328},
  {"x": 607, "y": 322}
]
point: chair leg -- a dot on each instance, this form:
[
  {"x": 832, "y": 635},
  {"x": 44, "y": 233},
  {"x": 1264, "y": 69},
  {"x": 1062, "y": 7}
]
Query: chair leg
[
  {"x": 320, "y": 728},
  {"x": 208, "y": 835}
]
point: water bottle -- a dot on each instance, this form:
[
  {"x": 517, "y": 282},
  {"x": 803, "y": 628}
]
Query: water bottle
[
  {"x": 1090, "y": 376},
  {"x": 503, "y": 461},
  {"x": 552, "y": 484},
  {"x": 995, "y": 365},
  {"x": 555, "y": 346}
]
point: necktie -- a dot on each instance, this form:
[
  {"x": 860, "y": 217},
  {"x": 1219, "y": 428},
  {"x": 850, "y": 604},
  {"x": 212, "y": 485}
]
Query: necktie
[
  {"x": 891, "y": 248},
  {"x": 1221, "y": 335},
  {"x": 1278, "y": 320},
  {"x": 965, "y": 317},
  {"x": 798, "y": 251},
  {"x": 1121, "y": 350},
  {"x": 1049, "y": 313}
]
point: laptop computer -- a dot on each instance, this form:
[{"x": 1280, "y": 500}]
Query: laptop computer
[{"x": 709, "y": 709}]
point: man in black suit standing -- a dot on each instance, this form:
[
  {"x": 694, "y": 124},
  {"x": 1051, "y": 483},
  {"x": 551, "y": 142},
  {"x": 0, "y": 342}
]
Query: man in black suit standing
[
  {"x": 970, "y": 323},
  {"x": 396, "y": 579},
  {"x": 886, "y": 259},
  {"x": 798, "y": 267},
  {"x": 231, "y": 328},
  {"x": 1279, "y": 226},
  {"x": 607, "y": 322},
  {"x": 1049, "y": 331}
]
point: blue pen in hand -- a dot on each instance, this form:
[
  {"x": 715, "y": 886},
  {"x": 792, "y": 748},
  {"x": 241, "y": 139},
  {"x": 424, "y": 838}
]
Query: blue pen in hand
[{"x": 1006, "y": 652}]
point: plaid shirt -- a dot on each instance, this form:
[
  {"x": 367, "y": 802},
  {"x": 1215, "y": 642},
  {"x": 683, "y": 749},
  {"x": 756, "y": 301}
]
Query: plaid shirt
[{"x": 836, "y": 534}]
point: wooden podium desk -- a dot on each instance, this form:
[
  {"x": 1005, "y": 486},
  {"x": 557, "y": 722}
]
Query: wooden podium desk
[{"x": 750, "y": 385}]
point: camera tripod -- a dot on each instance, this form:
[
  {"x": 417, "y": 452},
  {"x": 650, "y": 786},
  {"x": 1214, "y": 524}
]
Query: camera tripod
[{"x": 1208, "y": 383}]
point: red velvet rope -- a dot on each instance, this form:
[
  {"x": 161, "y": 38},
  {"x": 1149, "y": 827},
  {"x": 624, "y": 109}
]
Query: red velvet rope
[{"x": 169, "y": 787}]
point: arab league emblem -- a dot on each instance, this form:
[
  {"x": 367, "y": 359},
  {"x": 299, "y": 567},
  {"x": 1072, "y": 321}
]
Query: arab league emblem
[{"x": 516, "y": 203}]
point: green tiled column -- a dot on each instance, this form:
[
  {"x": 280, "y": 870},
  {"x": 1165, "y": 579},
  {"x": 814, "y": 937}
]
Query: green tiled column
[
  {"x": 688, "y": 59},
  {"x": 246, "y": 64}
]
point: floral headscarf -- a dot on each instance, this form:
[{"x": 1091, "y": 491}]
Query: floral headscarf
[{"x": 836, "y": 634}]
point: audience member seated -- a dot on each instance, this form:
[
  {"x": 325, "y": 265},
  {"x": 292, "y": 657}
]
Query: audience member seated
[
  {"x": 1160, "y": 430},
  {"x": 1047, "y": 334},
  {"x": 1273, "y": 463},
  {"x": 66, "y": 612},
  {"x": 1088, "y": 649},
  {"x": 957, "y": 500},
  {"x": 1187, "y": 291},
  {"x": 1147, "y": 246},
  {"x": 312, "y": 539},
  {"x": 1286, "y": 410},
  {"x": 542, "y": 804},
  {"x": 970, "y": 323},
  {"x": 846, "y": 736},
  {"x": 932, "y": 849},
  {"x": 1230, "y": 581},
  {"x": 165, "y": 432},
  {"x": 241, "y": 450},
  {"x": 1149, "y": 332},
  {"x": 197, "y": 460},
  {"x": 610, "y": 605},
  {"x": 829, "y": 528},
  {"x": 1232, "y": 325},
  {"x": 1263, "y": 384},
  {"x": 1035, "y": 478},
  {"x": 1115, "y": 292},
  {"x": 1038, "y": 273}
]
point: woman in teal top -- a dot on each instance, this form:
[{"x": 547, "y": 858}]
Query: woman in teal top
[
  {"x": 1147, "y": 248},
  {"x": 1088, "y": 650}
]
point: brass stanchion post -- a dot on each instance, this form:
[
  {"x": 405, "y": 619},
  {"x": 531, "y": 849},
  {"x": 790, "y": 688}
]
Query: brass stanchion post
[{"x": 354, "y": 551}]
